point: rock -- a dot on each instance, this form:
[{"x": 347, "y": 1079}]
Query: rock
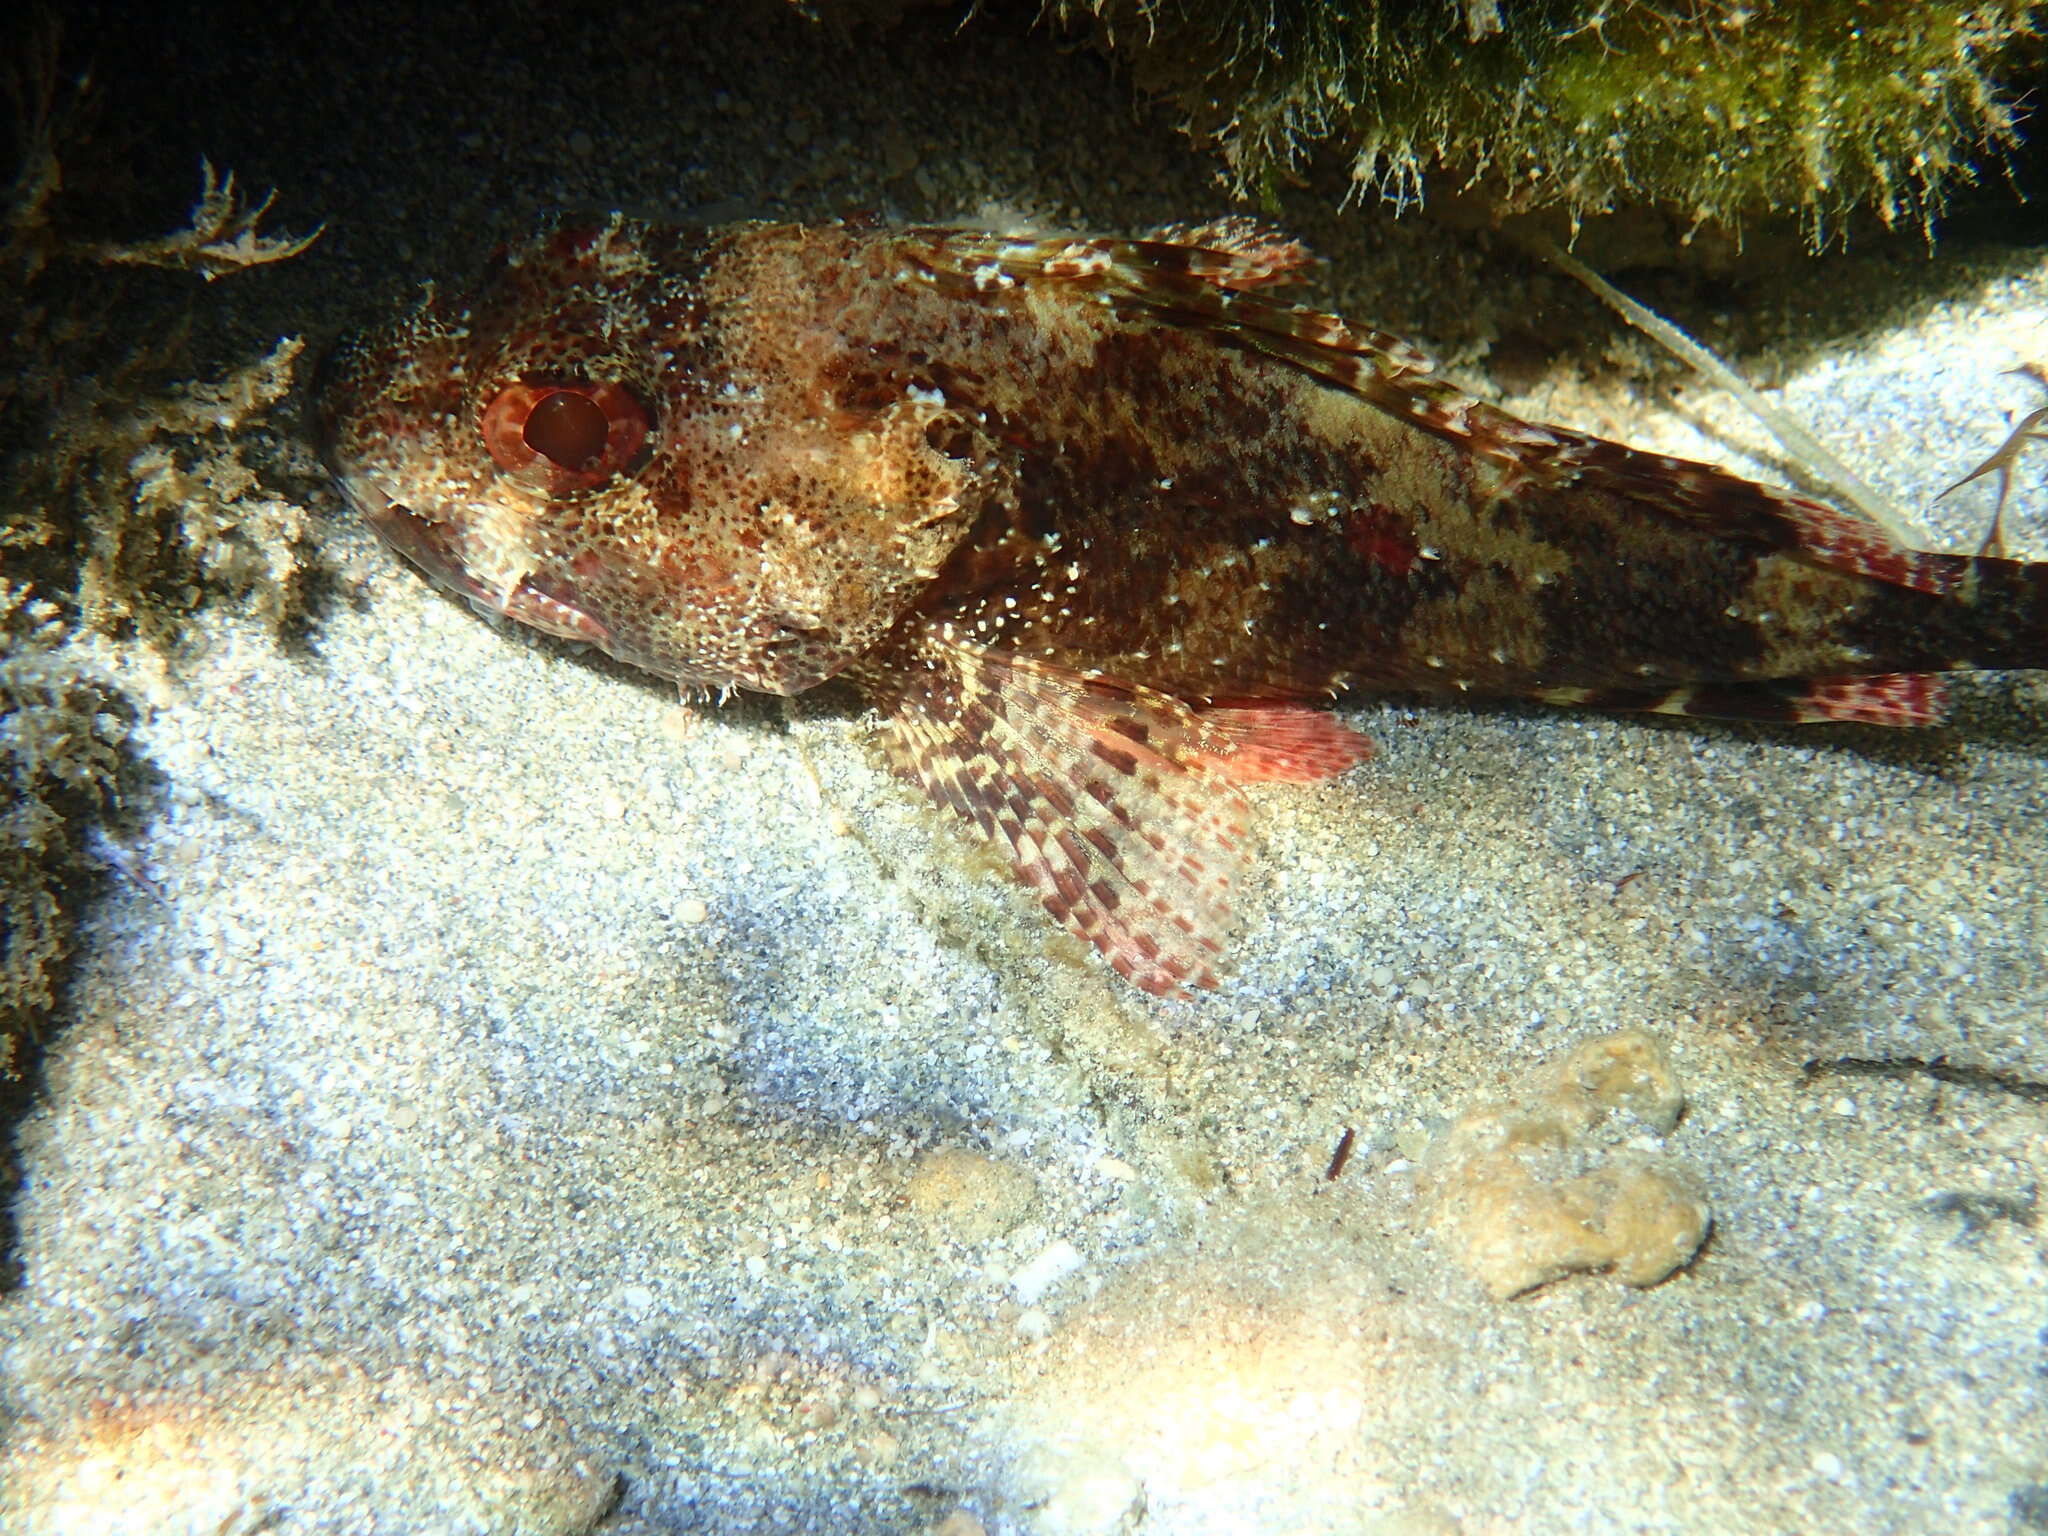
[{"x": 1526, "y": 1192}]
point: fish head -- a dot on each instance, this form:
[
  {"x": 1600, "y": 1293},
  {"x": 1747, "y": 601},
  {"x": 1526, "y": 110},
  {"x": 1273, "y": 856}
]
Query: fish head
[{"x": 628, "y": 435}]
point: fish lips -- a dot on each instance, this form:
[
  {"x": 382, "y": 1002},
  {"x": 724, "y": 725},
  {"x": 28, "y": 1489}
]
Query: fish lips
[{"x": 434, "y": 548}]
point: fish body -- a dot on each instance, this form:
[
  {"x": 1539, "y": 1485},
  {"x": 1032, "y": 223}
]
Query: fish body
[{"x": 1095, "y": 524}]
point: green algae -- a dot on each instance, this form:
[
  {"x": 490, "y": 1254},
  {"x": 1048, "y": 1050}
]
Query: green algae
[{"x": 1721, "y": 112}]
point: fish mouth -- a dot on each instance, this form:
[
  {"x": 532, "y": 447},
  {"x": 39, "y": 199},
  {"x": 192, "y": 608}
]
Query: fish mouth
[
  {"x": 334, "y": 397},
  {"x": 433, "y": 547},
  {"x": 425, "y": 543},
  {"x": 347, "y": 381}
]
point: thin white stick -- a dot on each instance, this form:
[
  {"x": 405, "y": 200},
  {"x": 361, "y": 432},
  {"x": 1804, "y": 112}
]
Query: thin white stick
[{"x": 1791, "y": 433}]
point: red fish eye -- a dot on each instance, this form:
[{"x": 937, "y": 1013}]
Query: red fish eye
[
  {"x": 568, "y": 428},
  {"x": 564, "y": 435}
]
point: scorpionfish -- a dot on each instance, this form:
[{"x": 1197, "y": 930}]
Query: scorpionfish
[{"x": 1097, "y": 525}]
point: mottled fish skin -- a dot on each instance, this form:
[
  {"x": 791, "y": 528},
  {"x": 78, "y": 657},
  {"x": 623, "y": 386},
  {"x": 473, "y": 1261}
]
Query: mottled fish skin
[{"x": 1094, "y": 523}]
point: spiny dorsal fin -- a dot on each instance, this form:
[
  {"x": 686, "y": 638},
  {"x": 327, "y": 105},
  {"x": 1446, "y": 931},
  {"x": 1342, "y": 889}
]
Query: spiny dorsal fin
[
  {"x": 1268, "y": 258},
  {"x": 1204, "y": 289},
  {"x": 1102, "y": 794}
]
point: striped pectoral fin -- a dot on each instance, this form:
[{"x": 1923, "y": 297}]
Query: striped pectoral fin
[
  {"x": 1886, "y": 698},
  {"x": 1102, "y": 795}
]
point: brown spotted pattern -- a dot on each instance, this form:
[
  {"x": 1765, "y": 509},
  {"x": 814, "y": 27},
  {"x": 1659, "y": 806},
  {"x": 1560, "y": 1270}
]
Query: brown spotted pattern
[{"x": 1094, "y": 522}]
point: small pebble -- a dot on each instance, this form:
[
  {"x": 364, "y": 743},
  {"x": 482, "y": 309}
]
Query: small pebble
[{"x": 1054, "y": 1263}]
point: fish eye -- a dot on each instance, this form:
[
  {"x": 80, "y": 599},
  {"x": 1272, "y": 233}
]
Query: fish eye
[
  {"x": 566, "y": 434},
  {"x": 567, "y": 429}
]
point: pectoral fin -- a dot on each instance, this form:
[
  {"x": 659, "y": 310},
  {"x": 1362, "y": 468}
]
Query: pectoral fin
[{"x": 1107, "y": 798}]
